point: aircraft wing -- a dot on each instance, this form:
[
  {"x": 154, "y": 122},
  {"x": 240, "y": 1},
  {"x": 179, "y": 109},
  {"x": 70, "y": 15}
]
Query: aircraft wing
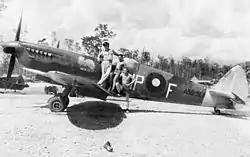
[
  {"x": 86, "y": 86},
  {"x": 59, "y": 78},
  {"x": 65, "y": 79}
]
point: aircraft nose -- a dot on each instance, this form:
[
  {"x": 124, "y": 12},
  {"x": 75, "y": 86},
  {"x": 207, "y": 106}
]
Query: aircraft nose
[
  {"x": 9, "y": 47},
  {"x": 9, "y": 44}
]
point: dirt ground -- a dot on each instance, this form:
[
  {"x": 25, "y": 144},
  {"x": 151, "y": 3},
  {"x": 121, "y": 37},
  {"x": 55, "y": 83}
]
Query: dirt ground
[{"x": 28, "y": 128}]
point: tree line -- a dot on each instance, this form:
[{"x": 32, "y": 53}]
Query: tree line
[
  {"x": 186, "y": 68},
  {"x": 91, "y": 45}
]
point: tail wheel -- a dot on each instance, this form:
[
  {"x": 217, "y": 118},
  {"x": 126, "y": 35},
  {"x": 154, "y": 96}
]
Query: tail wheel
[
  {"x": 216, "y": 111},
  {"x": 58, "y": 103}
]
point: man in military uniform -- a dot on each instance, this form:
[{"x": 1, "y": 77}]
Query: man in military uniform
[
  {"x": 125, "y": 85},
  {"x": 106, "y": 59}
]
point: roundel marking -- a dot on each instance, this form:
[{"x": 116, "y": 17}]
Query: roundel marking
[
  {"x": 86, "y": 64},
  {"x": 155, "y": 83}
]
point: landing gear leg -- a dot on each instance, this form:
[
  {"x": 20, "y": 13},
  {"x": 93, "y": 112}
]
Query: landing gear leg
[
  {"x": 60, "y": 101},
  {"x": 216, "y": 111}
]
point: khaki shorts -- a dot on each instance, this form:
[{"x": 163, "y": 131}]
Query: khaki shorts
[{"x": 123, "y": 87}]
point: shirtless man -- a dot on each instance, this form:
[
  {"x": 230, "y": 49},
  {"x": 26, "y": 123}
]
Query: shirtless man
[
  {"x": 126, "y": 83},
  {"x": 118, "y": 70}
]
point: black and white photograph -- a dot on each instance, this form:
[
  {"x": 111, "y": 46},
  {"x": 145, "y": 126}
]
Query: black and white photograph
[{"x": 125, "y": 78}]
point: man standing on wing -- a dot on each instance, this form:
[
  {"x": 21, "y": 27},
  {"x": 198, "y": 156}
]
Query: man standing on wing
[{"x": 106, "y": 59}]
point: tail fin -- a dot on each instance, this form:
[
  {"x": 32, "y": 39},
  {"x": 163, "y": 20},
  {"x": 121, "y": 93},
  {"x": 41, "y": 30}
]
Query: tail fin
[{"x": 235, "y": 82}]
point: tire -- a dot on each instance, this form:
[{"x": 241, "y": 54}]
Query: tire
[
  {"x": 217, "y": 112},
  {"x": 58, "y": 103}
]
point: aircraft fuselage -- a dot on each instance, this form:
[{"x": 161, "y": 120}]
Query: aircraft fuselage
[
  {"x": 45, "y": 59},
  {"x": 151, "y": 84}
]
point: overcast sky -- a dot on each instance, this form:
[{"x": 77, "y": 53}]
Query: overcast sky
[{"x": 216, "y": 28}]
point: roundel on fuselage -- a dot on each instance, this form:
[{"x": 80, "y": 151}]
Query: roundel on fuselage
[{"x": 155, "y": 83}]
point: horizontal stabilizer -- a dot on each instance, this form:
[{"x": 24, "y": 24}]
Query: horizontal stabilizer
[{"x": 233, "y": 97}]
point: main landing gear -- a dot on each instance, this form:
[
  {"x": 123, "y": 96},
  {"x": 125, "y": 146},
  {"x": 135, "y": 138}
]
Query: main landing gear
[
  {"x": 216, "y": 111},
  {"x": 60, "y": 101}
]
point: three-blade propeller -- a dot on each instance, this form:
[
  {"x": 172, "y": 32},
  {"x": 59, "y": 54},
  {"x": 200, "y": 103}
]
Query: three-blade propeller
[{"x": 13, "y": 58}]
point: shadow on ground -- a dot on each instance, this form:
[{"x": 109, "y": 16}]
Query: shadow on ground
[
  {"x": 95, "y": 115},
  {"x": 13, "y": 92},
  {"x": 98, "y": 115}
]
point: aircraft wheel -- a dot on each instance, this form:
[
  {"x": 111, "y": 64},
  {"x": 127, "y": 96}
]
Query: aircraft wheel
[
  {"x": 216, "y": 111},
  {"x": 58, "y": 103}
]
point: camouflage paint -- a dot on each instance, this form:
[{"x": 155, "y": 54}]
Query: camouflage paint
[
  {"x": 169, "y": 88},
  {"x": 44, "y": 58},
  {"x": 68, "y": 68},
  {"x": 82, "y": 71}
]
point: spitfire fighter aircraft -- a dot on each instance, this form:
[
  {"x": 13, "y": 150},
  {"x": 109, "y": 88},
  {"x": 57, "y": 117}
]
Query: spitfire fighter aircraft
[{"x": 74, "y": 70}]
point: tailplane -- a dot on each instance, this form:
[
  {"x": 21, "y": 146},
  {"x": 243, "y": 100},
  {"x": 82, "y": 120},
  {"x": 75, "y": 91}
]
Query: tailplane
[{"x": 234, "y": 82}]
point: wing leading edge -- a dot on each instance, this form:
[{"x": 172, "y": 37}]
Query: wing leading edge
[{"x": 85, "y": 86}]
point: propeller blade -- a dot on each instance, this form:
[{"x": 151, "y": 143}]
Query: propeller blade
[
  {"x": 18, "y": 32},
  {"x": 58, "y": 44},
  {"x": 11, "y": 66}
]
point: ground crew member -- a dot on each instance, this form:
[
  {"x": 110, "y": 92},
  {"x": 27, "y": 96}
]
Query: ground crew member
[
  {"x": 118, "y": 70},
  {"x": 106, "y": 59},
  {"x": 126, "y": 84}
]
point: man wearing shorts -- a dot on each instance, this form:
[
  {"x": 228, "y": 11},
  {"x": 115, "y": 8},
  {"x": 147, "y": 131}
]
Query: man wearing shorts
[
  {"x": 125, "y": 85},
  {"x": 118, "y": 70}
]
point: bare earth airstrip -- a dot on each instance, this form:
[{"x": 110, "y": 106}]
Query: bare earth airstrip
[{"x": 28, "y": 128}]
